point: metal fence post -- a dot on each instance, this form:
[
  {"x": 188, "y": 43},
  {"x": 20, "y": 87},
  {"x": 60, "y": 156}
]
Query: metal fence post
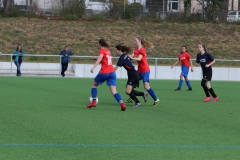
[
  {"x": 156, "y": 60},
  {"x": 11, "y": 66},
  {"x": 60, "y": 65}
]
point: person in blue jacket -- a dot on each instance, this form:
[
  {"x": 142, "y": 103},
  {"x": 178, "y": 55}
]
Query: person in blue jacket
[
  {"x": 18, "y": 58},
  {"x": 65, "y": 59}
]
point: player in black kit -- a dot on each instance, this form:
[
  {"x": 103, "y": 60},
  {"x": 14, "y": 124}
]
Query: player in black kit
[
  {"x": 206, "y": 60},
  {"x": 133, "y": 76}
]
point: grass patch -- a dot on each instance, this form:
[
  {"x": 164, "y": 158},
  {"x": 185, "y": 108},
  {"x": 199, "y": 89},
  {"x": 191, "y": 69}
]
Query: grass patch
[{"x": 48, "y": 119}]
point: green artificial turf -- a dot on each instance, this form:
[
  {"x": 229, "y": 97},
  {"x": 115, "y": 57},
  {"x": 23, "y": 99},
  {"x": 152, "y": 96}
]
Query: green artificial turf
[{"x": 47, "y": 118}]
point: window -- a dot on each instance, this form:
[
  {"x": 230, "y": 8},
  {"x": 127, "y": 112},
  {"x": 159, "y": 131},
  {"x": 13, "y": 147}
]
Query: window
[{"x": 173, "y": 5}]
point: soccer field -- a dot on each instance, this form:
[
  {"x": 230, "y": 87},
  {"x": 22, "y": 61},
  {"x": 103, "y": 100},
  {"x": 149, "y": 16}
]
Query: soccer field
[{"x": 47, "y": 119}]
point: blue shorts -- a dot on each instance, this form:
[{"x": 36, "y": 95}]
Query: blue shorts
[
  {"x": 144, "y": 76},
  {"x": 111, "y": 78},
  {"x": 184, "y": 71}
]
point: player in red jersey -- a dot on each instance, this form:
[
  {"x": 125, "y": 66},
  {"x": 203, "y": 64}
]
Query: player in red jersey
[
  {"x": 106, "y": 73},
  {"x": 185, "y": 59},
  {"x": 140, "y": 55}
]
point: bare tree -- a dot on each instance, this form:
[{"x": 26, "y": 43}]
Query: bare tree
[{"x": 8, "y": 4}]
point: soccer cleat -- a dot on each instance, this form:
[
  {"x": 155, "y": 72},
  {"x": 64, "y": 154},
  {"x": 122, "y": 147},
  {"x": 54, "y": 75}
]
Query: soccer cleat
[
  {"x": 93, "y": 104},
  {"x": 129, "y": 100},
  {"x": 123, "y": 107},
  {"x": 178, "y": 89},
  {"x": 215, "y": 99},
  {"x": 207, "y": 99},
  {"x": 137, "y": 104},
  {"x": 156, "y": 102},
  {"x": 145, "y": 96},
  {"x": 189, "y": 89}
]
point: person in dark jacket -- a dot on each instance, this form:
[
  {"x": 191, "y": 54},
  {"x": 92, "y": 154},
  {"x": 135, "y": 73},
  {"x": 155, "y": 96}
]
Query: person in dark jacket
[
  {"x": 65, "y": 59},
  {"x": 18, "y": 58}
]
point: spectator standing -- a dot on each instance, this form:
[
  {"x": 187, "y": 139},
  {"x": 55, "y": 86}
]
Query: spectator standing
[
  {"x": 18, "y": 58},
  {"x": 65, "y": 53}
]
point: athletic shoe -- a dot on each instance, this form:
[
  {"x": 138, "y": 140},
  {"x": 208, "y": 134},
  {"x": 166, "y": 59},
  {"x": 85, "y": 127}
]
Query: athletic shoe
[
  {"x": 129, "y": 100},
  {"x": 207, "y": 99},
  {"x": 137, "y": 104},
  {"x": 178, "y": 89},
  {"x": 189, "y": 89},
  {"x": 145, "y": 96},
  {"x": 215, "y": 99},
  {"x": 93, "y": 104},
  {"x": 156, "y": 102},
  {"x": 123, "y": 107}
]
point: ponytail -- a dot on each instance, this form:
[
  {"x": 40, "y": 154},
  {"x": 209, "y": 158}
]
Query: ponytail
[
  {"x": 123, "y": 48},
  {"x": 145, "y": 43}
]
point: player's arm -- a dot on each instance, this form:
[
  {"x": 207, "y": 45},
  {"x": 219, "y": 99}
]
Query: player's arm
[
  {"x": 175, "y": 63},
  {"x": 100, "y": 57},
  {"x": 197, "y": 61},
  {"x": 139, "y": 58},
  {"x": 210, "y": 64},
  {"x": 94, "y": 58},
  {"x": 190, "y": 62},
  {"x": 116, "y": 67}
]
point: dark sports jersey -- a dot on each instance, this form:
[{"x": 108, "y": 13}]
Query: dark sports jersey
[
  {"x": 126, "y": 62},
  {"x": 204, "y": 59}
]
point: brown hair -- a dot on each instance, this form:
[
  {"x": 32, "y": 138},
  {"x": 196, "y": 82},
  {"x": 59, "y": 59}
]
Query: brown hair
[
  {"x": 123, "y": 48},
  {"x": 184, "y": 47},
  {"x": 103, "y": 43},
  {"x": 18, "y": 46},
  {"x": 145, "y": 43},
  {"x": 204, "y": 47}
]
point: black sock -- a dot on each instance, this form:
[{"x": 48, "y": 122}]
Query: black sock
[
  {"x": 133, "y": 97},
  {"x": 203, "y": 84},
  {"x": 212, "y": 92},
  {"x": 137, "y": 93}
]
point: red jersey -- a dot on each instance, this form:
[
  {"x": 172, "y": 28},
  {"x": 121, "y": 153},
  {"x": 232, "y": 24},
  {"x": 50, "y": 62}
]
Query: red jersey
[
  {"x": 143, "y": 64},
  {"x": 184, "y": 58},
  {"x": 106, "y": 63}
]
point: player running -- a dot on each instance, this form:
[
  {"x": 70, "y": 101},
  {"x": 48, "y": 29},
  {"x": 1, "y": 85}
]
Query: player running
[
  {"x": 106, "y": 73},
  {"x": 133, "y": 76},
  {"x": 185, "y": 59},
  {"x": 140, "y": 55}
]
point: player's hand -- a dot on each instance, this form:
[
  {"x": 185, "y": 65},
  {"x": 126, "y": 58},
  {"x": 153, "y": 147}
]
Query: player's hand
[
  {"x": 130, "y": 56},
  {"x": 192, "y": 69},
  {"x": 93, "y": 58},
  {"x": 171, "y": 67},
  {"x": 207, "y": 65},
  {"x": 92, "y": 70},
  {"x": 0, "y": 53},
  {"x": 196, "y": 64}
]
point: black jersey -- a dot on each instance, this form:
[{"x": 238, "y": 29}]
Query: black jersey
[
  {"x": 125, "y": 61},
  {"x": 133, "y": 76},
  {"x": 204, "y": 59}
]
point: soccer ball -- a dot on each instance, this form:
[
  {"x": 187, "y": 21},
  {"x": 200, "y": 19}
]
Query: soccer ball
[{"x": 91, "y": 99}]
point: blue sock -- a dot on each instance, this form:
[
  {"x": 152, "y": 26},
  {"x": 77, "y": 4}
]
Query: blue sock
[
  {"x": 94, "y": 93},
  {"x": 151, "y": 92},
  {"x": 180, "y": 83},
  {"x": 118, "y": 98},
  {"x": 188, "y": 84}
]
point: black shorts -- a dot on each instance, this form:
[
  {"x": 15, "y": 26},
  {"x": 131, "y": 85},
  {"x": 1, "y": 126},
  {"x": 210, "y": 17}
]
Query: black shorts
[
  {"x": 207, "y": 74},
  {"x": 133, "y": 78}
]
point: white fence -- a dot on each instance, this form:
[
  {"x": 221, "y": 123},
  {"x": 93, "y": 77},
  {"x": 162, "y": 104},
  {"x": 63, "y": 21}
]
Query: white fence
[{"x": 157, "y": 72}]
